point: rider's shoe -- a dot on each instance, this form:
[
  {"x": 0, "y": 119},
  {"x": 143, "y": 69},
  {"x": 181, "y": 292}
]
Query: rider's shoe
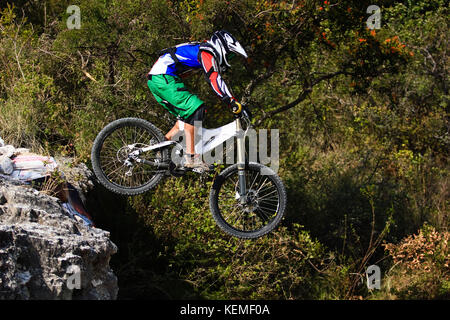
[{"x": 195, "y": 163}]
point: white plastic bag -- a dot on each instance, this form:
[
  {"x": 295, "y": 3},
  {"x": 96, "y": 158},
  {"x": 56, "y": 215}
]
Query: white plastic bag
[{"x": 30, "y": 167}]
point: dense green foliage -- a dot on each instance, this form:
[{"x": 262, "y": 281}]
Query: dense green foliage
[{"x": 363, "y": 119}]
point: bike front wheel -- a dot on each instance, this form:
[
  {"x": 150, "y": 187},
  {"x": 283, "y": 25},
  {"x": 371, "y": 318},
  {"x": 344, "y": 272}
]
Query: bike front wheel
[{"x": 264, "y": 205}]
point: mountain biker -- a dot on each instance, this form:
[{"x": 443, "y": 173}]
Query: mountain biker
[{"x": 164, "y": 81}]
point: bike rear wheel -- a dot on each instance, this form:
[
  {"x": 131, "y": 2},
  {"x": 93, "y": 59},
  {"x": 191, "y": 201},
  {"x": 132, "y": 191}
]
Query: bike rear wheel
[
  {"x": 265, "y": 201},
  {"x": 110, "y": 156}
]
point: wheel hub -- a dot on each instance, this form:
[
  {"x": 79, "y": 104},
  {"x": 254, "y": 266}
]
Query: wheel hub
[{"x": 251, "y": 201}]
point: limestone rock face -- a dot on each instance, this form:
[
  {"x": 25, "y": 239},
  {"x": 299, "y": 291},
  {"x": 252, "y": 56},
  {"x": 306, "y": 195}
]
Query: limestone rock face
[{"x": 45, "y": 253}]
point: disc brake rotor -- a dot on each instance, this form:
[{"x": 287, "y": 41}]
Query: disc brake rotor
[{"x": 252, "y": 202}]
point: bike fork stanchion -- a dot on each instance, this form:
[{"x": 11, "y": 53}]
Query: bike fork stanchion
[{"x": 241, "y": 162}]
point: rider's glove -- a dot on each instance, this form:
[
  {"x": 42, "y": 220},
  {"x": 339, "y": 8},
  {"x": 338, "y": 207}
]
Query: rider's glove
[{"x": 236, "y": 107}]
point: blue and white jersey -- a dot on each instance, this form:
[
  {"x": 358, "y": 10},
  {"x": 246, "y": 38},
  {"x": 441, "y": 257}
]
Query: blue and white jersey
[
  {"x": 189, "y": 59},
  {"x": 187, "y": 54}
]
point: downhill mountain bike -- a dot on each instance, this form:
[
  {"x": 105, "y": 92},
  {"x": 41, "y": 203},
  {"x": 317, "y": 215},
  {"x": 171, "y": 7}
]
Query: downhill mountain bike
[{"x": 247, "y": 199}]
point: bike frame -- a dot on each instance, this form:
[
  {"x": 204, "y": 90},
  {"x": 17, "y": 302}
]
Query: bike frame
[{"x": 209, "y": 139}]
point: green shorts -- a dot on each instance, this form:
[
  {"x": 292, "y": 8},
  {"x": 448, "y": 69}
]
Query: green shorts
[{"x": 171, "y": 92}]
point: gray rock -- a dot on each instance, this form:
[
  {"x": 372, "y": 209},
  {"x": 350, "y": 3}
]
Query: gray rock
[
  {"x": 78, "y": 175},
  {"x": 47, "y": 254}
]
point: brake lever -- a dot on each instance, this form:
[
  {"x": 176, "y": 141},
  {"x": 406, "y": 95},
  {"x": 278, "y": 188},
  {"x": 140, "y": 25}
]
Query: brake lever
[
  {"x": 248, "y": 114},
  {"x": 247, "y": 120}
]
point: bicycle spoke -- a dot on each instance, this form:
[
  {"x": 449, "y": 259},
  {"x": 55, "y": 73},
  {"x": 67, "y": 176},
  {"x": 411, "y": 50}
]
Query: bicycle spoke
[
  {"x": 266, "y": 195},
  {"x": 266, "y": 216}
]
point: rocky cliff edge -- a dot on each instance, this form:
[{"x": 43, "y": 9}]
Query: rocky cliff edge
[{"x": 46, "y": 253}]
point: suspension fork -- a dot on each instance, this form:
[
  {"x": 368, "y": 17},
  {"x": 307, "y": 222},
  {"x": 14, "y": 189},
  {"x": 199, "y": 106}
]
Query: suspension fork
[{"x": 241, "y": 161}]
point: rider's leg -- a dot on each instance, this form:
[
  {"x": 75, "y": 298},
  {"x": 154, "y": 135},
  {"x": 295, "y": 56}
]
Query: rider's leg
[
  {"x": 175, "y": 129},
  {"x": 189, "y": 127},
  {"x": 194, "y": 160},
  {"x": 190, "y": 134}
]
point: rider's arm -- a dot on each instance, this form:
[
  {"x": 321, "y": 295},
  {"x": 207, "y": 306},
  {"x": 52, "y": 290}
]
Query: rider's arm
[{"x": 214, "y": 78}]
